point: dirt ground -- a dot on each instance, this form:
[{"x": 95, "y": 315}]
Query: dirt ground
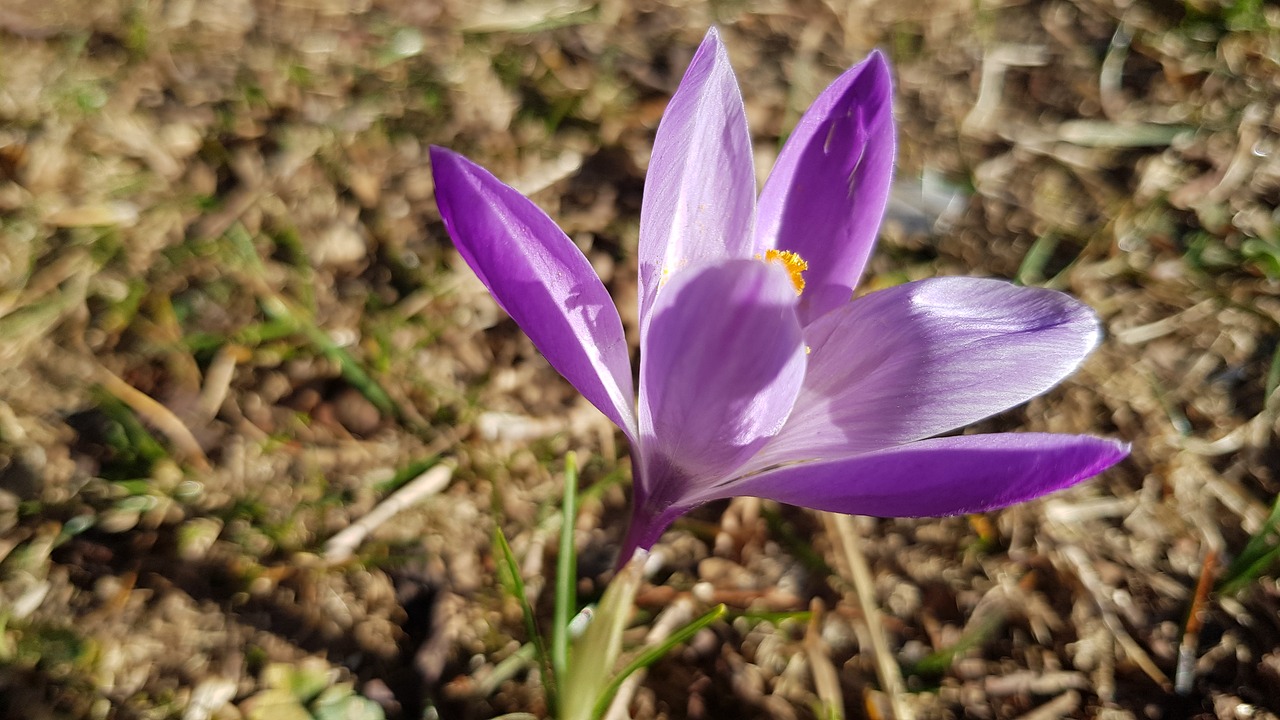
[{"x": 232, "y": 325}]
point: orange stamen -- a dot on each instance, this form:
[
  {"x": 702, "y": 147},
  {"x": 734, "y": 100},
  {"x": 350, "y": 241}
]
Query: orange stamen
[{"x": 792, "y": 263}]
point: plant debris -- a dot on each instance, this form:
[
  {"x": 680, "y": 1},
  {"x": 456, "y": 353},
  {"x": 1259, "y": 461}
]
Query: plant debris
[{"x": 232, "y": 326}]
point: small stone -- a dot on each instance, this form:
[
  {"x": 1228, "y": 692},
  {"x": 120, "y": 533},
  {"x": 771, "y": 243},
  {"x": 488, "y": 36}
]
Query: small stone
[
  {"x": 338, "y": 245},
  {"x": 356, "y": 413}
]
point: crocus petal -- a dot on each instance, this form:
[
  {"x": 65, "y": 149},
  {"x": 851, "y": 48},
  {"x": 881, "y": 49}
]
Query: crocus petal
[
  {"x": 719, "y": 372},
  {"x": 827, "y": 193},
  {"x": 699, "y": 193},
  {"x": 925, "y": 358},
  {"x": 940, "y": 476},
  {"x": 541, "y": 279}
]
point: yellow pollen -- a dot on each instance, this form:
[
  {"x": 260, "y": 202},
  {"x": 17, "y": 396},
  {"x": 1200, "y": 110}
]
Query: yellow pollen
[{"x": 792, "y": 263}]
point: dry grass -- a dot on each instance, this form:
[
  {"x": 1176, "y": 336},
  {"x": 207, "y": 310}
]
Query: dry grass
[{"x": 231, "y": 324}]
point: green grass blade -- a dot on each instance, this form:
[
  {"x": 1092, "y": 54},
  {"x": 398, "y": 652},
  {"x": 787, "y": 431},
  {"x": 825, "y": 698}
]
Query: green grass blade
[
  {"x": 653, "y": 654},
  {"x": 1273, "y": 377},
  {"x": 936, "y": 663},
  {"x": 566, "y": 598},
  {"x": 602, "y": 485},
  {"x": 774, "y": 618},
  {"x": 277, "y": 308},
  {"x": 405, "y": 474},
  {"x": 507, "y": 669},
  {"x": 1031, "y": 271},
  {"x": 1259, "y": 554},
  {"x": 281, "y": 310},
  {"x": 509, "y": 576},
  {"x": 799, "y": 547}
]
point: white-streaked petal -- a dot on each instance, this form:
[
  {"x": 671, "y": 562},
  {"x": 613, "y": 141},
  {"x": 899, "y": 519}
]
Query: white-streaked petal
[
  {"x": 541, "y": 279},
  {"x": 699, "y": 192},
  {"x": 925, "y": 358},
  {"x": 828, "y": 191}
]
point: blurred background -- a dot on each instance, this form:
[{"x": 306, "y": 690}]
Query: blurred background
[{"x": 232, "y": 326}]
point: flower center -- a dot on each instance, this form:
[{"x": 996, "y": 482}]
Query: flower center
[{"x": 792, "y": 263}]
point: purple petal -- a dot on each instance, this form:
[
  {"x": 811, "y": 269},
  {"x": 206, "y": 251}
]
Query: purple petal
[
  {"x": 828, "y": 191},
  {"x": 541, "y": 279},
  {"x": 941, "y": 476},
  {"x": 719, "y": 371},
  {"x": 925, "y": 358},
  {"x": 699, "y": 193}
]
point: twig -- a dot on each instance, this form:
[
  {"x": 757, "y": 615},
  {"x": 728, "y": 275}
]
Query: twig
[
  {"x": 1065, "y": 705},
  {"x": 826, "y": 679},
  {"x": 217, "y": 380},
  {"x": 1254, "y": 431},
  {"x": 887, "y": 670},
  {"x": 981, "y": 120},
  {"x": 161, "y": 417},
  {"x": 1110, "y": 95},
  {"x": 1185, "y": 674},
  {"x": 1152, "y": 330},
  {"x": 1028, "y": 682},
  {"x": 1089, "y": 578},
  {"x": 1104, "y": 680},
  {"x": 1227, "y": 489},
  {"x": 341, "y": 546}
]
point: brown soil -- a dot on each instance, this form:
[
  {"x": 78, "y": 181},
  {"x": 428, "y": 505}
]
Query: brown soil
[{"x": 231, "y": 323}]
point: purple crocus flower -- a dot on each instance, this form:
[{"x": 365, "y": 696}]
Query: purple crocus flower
[{"x": 759, "y": 374}]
